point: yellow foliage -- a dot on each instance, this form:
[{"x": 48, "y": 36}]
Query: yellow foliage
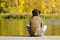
[
  {"x": 28, "y": 5},
  {"x": 21, "y": 2},
  {"x": 19, "y": 9},
  {"x": 2, "y": 4}
]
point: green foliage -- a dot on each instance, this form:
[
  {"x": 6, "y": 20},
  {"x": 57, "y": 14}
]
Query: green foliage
[{"x": 28, "y": 16}]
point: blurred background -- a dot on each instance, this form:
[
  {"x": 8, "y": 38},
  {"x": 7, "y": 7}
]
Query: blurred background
[
  {"x": 22, "y": 6},
  {"x": 15, "y": 15}
]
